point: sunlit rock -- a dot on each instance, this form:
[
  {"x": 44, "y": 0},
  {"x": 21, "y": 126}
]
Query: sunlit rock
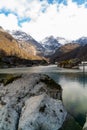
[{"x": 42, "y": 113}]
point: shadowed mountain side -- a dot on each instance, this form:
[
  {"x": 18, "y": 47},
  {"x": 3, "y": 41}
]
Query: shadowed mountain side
[
  {"x": 65, "y": 52},
  {"x": 71, "y": 59},
  {"x": 79, "y": 53},
  {"x": 10, "y": 48},
  {"x": 13, "y": 61}
]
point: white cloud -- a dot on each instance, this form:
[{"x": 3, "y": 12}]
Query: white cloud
[
  {"x": 9, "y": 22},
  {"x": 59, "y": 20},
  {"x": 24, "y": 8}
]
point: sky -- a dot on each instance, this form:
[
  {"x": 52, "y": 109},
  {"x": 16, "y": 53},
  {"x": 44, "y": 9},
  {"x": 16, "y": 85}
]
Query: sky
[{"x": 42, "y": 18}]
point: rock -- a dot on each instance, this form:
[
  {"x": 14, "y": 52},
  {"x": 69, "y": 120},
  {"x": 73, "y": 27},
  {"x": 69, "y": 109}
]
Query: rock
[
  {"x": 8, "y": 118},
  {"x": 29, "y": 85},
  {"x": 85, "y": 125},
  {"x": 31, "y": 102},
  {"x": 42, "y": 113},
  {"x": 15, "y": 94}
]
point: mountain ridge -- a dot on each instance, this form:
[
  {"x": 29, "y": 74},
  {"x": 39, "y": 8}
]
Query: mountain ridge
[
  {"x": 50, "y": 44},
  {"x": 21, "y": 36},
  {"x": 12, "y": 53}
]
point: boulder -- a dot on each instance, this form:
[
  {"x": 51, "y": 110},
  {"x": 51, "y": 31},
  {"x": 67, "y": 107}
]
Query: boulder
[
  {"x": 17, "y": 91},
  {"x": 42, "y": 113},
  {"x": 31, "y": 102}
]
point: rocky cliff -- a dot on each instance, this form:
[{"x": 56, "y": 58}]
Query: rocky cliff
[{"x": 31, "y": 102}]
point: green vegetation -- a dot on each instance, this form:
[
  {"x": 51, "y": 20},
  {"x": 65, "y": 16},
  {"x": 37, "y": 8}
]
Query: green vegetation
[
  {"x": 43, "y": 62},
  {"x": 9, "y": 78},
  {"x": 69, "y": 63},
  {"x": 50, "y": 83}
]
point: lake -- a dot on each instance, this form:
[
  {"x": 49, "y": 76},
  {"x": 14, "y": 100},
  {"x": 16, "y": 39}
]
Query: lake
[{"x": 73, "y": 83}]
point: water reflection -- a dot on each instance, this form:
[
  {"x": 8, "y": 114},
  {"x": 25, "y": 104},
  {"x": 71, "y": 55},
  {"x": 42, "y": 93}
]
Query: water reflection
[{"x": 74, "y": 93}]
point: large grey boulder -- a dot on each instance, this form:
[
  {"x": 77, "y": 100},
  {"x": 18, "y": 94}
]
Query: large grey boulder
[
  {"x": 31, "y": 102},
  {"x": 42, "y": 113},
  {"x": 33, "y": 92}
]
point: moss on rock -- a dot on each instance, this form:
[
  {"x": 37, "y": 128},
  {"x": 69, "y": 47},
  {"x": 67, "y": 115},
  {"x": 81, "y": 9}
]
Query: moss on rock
[
  {"x": 9, "y": 78},
  {"x": 50, "y": 83}
]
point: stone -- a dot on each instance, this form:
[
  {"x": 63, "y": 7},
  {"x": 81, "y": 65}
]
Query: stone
[
  {"x": 31, "y": 102},
  {"x": 8, "y": 118},
  {"x": 42, "y": 113}
]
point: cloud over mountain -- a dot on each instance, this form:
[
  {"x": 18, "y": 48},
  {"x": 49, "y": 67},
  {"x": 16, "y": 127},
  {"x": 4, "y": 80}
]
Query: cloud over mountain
[{"x": 41, "y": 18}]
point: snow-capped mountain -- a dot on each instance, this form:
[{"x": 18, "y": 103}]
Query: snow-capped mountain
[
  {"x": 82, "y": 41},
  {"x": 50, "y": 44},
  {"x": 1, "y": 29},
  {"x": 62, "y": 40},
  {"x": 21, "y": 36}
]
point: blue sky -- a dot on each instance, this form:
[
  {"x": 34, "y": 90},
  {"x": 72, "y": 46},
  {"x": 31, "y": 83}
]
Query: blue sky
[{"x": 41, "y": 18}]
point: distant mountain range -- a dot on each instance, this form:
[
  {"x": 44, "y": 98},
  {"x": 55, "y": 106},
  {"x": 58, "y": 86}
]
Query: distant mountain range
[
  {"x": 16, "y": 45},
  {"x": 51, "y": 44},
  {"x": 47, "y": 46},
  {"x": 82, "y": 41},
  {"x": 78, "y": 53},
  {"x": 62, "y": 51}
]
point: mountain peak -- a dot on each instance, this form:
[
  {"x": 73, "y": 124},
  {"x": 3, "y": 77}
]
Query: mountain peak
[
  {"x": 50, "y": 44},
  {"x": 1, "y": 29},
  {"x": 82, "y": 41},
  {"x": 20, "y": 35}
]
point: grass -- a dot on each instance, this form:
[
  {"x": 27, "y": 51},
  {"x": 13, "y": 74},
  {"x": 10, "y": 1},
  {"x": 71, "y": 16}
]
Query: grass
[{"x": 9, "y": 78}]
